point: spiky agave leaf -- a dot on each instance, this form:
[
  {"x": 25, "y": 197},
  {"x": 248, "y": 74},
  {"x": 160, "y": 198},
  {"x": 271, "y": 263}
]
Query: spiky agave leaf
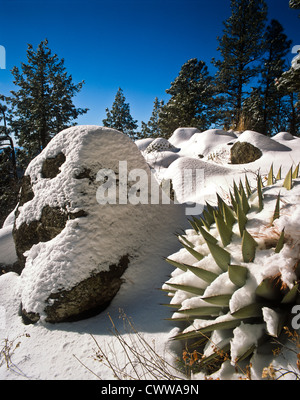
[
  {"x": 270, "y": 179},
  {"x": 288, "y": 181},
  {"x": 248, "y": 247},
  {"x": 277, "y": 209},
  {"x": 296, "y": 172},
  {"x": 222, "y": 306}
]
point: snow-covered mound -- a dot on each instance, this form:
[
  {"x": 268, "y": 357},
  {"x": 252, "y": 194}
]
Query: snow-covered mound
[
  {"x": 160, "y": 144},
  {"x": 181, "y": 135},
  {"x": 283, "y": 136},
  {"x": 142, "y": 144},
  {"x": 205, "y": 178},
  {"x": 262, "y": 142},
  {"x": 203, "y": 143}
]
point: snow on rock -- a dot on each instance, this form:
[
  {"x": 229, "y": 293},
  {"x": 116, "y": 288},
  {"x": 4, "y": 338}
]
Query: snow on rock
[
  {"x": 203, "y": 143},
  {"x": 8, "y": 254},
  {"x": 78, "y": 268},
  {"x": 142, "y": 144},
  {"x": 160, "y": 144},
  {"x": 283, "y": 136},
  {"x": 202, "y": 177},
  {"x": 181, "y": 135},
  {"x": 264, "y": 143}
]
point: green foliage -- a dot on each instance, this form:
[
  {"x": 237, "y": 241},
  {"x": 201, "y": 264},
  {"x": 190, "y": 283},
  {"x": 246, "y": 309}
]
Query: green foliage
[
  {"x": 152, "y": 128},
  {"x": 119, "y": 116},
  {"x": 42, "y": 104},
  {"x": 192, "y": 102},
  {"x": 240, "y": 47}
]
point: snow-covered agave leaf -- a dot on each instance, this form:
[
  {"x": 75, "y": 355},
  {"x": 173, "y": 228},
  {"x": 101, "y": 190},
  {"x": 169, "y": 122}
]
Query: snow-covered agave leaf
[
  {"x": 296, "y": 172},
  {"x": 248, "y": 247},
  {"x": 242, "y": 219},
  {"x": 201, "y": 273},
  {"x": 186, "y": 241},
  {"x": 182, "y": 266},
  {"x": 238, "y": 274},
  {"x": 247, "y": 184},
  {"x": 268, "y": 290},
  {"x": 270, "y": 179},
  {"x": 280, "y": 243},
  {"x": 249, "y": 311},
  {"x": 208, "y": 216},
  {"x": 244, "y": 200},
  {"x": 228, "y": 215},
  {"x": 276, "y": 214},
  {"x": 201, "y": 311},
  {"x": 207, "y": 236},
  {"x": 259, "y": 193},
  {"x": 274, "y": 321},
  {"x": 288, "y": 181},
  {"x": 291, "y": 296},
  {"x": 221, "y": 299},
  {"x": 219, "y": 349},
  {"x": 194, "y": 252},
  {"x": 246, "y": 354},
  {"x": 187, "y": 288},
  {"x": 220, "y": 255},
  {"x": 278, "y": 176},
  {"x": 228, "y": 324},
  {"x": 225, "y": 231}
]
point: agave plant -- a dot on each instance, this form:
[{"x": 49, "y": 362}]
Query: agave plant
[{"x": 236, "y": 278}]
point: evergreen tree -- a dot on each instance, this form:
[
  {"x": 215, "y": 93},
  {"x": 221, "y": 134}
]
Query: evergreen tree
[
  {"x": 290, "y": 82},
  {"x": 192, "y": 102},
  {"x": 152, "y": 128},
  {"x": 9, "y": 182},
  {"x": 43, "y": 104},
  {"x": 119, "y": 116},
  {"x": 241, "y": 47},
  {"x": 266, "y": 104}
]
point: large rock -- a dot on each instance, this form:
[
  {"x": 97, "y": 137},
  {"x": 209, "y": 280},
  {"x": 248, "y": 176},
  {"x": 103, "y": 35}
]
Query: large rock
[
  {"x": 244, "y": 153},
  {"x": 72, "y": 243}
]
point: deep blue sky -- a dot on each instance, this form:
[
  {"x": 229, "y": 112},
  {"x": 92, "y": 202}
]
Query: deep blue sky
[{"x": 138, "y": 45}]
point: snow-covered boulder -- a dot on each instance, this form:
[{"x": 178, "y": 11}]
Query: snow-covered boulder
[
  {"x": 181, "y": 135},
  {"x": 84, "y": 214},
  {"x": 283, "y": 136},
  {"x": 160, "y": 144},
  {"x": 244, "y": 152},
  {"x": 262, "y": 142},
  {"x": 142, "y": 144},
  {"x": 203, "y": 143}
]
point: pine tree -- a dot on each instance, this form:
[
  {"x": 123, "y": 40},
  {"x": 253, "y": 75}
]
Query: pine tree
[
  {"x": 192, "y": 102},
  {"x": 9, "y": 182},
  {"x": 241, "y": 47},
  {"x": 152, "y": 128},
  {"x": 42, "y": 106},
  {"x": 119, "y": 116},
  {"x": 290, "y": 83},
  {"x": 266, "y": 105}
]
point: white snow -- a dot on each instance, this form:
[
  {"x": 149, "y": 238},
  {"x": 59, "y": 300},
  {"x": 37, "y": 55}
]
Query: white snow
[{"x": 59, "y": 351}]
